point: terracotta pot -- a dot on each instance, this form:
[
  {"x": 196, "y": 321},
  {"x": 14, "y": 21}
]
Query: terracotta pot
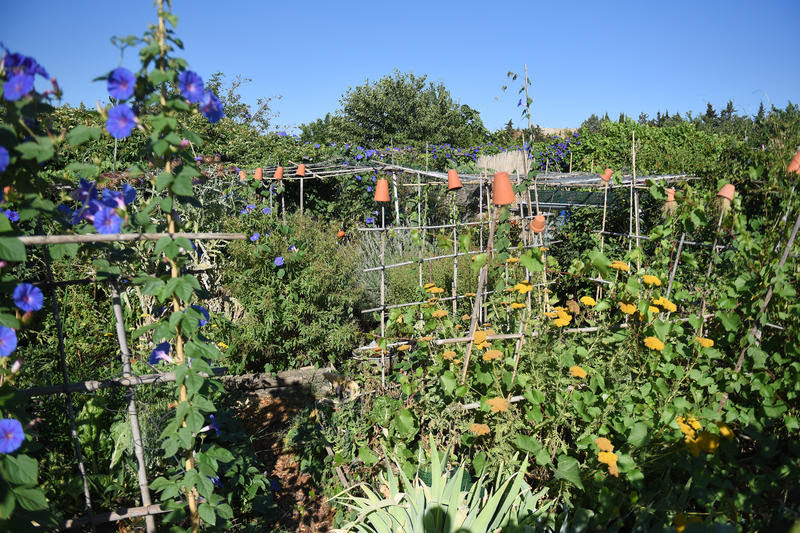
[
  {"x": 242, "y": 175},
  {"x": 502, "y": 191},
  {"x": 301, "y": 170},
  {"x": 606, "y": 176},
  {"x": 259, "y": 175},
  {"x": 538, "y": 224},
  {"x": 453, "y": 182},
  {"x": 382, "y": 191},
  {"x": 794, "y": 164},
  {"x": 727, "y": 191},
  {"x": 670, "y": 194},
  {"x": 279, "y": 173},
  {"x": 340, "y": 234}
]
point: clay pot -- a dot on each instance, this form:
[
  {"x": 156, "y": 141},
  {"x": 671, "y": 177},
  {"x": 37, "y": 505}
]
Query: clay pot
[
  {"x": 670, "y": 194},
  {"x": 340, "y": 234},
  {"x": 606, "y": 176},
  {"x": 279, "y": 173},
  {"x": 538, "y": 224},
  {"x": 727, "y": 191},
  {"x": 794, "y": 164},
  {"x": 382, "y": 191},
  {"x": 242, "y": 175},
  {"x": 502, "y": 191},
  {"x": 453, "y": 182},
  {"x": 301, "y": 170},
  {"x": 259, "y": 175}
]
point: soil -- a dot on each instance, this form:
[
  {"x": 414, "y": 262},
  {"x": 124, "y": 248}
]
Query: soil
[{"x": 267, "y": 418}]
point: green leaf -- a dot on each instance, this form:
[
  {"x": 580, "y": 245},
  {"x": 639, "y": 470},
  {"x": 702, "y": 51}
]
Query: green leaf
[
  {"x": 532, "y": 263},
  {"x": 84, "y": 170},
  {"x": 527, "y": 444},
  {"x": 406, "y": 423},
  {"x": 41, "y": 150},
  {"x": 160, "y": 76},
  {"x": 638, "y": 435},
  {"x": 30, "y": 499},
  {"x": 12, "y": 249},
  {"x": 478, "y": 261},
  {"x": 163, "y": 180},
  {"x": 367, "y": 455},
  {"x": 58, "y": 251},
  {"x": 449, "y": 382},
  {"x": 569, "y": 470},
  {"x": 182, "y": 185},
  {"x": 81, "y": 133},
  {"x": 207, "y": 513},
  {"x": 121, "y": 435},
  {"x": 600, "y": 261},
  {"x": 22, "y": 470}
]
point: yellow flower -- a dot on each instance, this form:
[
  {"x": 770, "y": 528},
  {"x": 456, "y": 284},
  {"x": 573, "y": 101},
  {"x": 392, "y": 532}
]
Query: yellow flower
[
  {"x": 498, "y": 405},
  {"x": 490, "y": 355},
  {"x": 427, "y": 338},
  {"x": 543, "y": 248},
  {"x": 484, "y": 345},
  {"x": 480, "y": 429},
  {"x": 604, "y": 444},
  {"x": 480, "y": 336},
  {"x": 653, "y": 343},
  {"x": 610, "y": 459},
  {"x": 653, "y": 309},
  {"x": 627, "y": 308},
  {"x": 431, "y": 300},
  {"x": 577, "y": 372},
  {"x": 449, "y": 355},
  {"x": 679, "y": 522},
  {"x": 428, "y": 286},
  {"x": 517, "y": 305},
  {"x": 550, "y": 314},
  {"x": 705, "y": 343},
  {"x": 404, "y": 347},
  {"x": 688, "y": 426},
  {"x": 465, "y": 317},
  {"x": 588, "y": 301},
  {"x": 666, "y": 304},
  {"x": 651, "y": 280},
  {"x": 456, "y": 361},
  {"x": 512, "y": 260},
  {"x": 436, "y": 290},
  {"x": 523, "y": 287},
  {"x": 439, "y": 313},
  {"x": 561, "y": 322},
  {"x": 222, "y": 344},
  {"x": 725, "y": 431},
  {"x": 470, "y": 294},
  {"x": 458, "y": 326},
  {"x": 505, "y": 304},
  {"x": 619, "y": 265},
  {"x": 400, "y": 319}
]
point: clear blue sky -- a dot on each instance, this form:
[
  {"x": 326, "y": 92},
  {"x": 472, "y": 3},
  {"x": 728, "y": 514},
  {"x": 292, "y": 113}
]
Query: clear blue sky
[{"x": 583, "y": 56}]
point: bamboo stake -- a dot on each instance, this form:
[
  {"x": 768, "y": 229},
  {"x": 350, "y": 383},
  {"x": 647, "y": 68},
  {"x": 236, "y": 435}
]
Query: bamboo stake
[
  {"x": 630, "y": 196},
  {"x": 114, "y": 516},
  {"x": 383, "y": 295},
  {"x": 302, "y": 180},
  {"x": 455, "y": 257},
  {"x": 602, "y": 231},
  {"x": 710, "y": 267},
  {"x": 419, "y": 223},
  {"x": 120, "y": 237},
  {"x": 133, "y": 413},
  {"x": 675, "y": 264}
]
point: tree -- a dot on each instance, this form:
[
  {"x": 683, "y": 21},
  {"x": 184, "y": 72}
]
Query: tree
[
  {"x": 591, "y": 124},
  {"x": 406, "y": 109}
]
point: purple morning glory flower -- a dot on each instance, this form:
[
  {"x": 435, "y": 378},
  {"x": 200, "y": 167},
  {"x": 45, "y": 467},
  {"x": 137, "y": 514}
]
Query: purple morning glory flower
[
  {"x": 213, "y": 425},
  {"x": 254, "y": 237},
  {"x": 64, "y": 210},
  {"x": 369, "y": 220},
  {"x": 279, "y": 261},
  {"x": 267, "y": 210},
  {"x": 17, "y": 86},
  {"x": 121, "y": 121},
  {"x": 358, "y": 178},
  {"x": 191, "y": 85},
  {"x": 292, "y": 248},
  {"x": 316, "y": 145},
  {"x": 281, "y": 134},
  {"x": 128, "y": 194},
  {"x": 13, "y": 216},
  {"x": 211, "y": 107},
  {"x": 28, "y": 297},
  {"x": 120, "y": 83},
  {"x": 19, "y": 63},
  {"x": 250, "y": 207},
  {"x": 8, "y": 341},
  {"x": 369, "y": 188},
  {"x": 160, "y": 353},
  {"x": 11, "y": 435},
  {"x": 4, "y": 159},
  {"x": 112, "y": 199},
  {"x": 107, "y": 221},
  {"x": 215, "y": 480},
  {"x": 203, "y": 311}
]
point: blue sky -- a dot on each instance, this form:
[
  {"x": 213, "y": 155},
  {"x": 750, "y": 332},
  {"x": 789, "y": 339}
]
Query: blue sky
[{"x": 583, "y": 57}]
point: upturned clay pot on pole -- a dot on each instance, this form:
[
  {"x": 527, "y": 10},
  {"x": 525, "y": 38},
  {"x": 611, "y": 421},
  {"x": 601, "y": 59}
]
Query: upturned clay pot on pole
[
  {"x": 279, "y": 173},
  {"x": 538, "y": 224},
  {"x": 382, "y": 197},
  {"x": 259, "y": 174},
  {"x": 300, "y": 173},
  {"x": 453, "y": 181},
  {"x": 502, "y": 190},
  {"x": 670, "y": 206},
  {"x": 242, "y": 175},
  {"x": 725, "y": 197}
]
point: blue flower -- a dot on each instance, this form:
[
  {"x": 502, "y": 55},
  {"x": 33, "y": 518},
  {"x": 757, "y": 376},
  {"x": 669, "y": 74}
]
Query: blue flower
[
  {"x": 281, "y": 134},
  {"x": 4, "y": 159},
  {"x": 107, "y": 221},
  {"x": 19, "y": 63},
  {"x": 213, "y": 425},
  {"x": 279, "y": 261},
  {"x": 203, "y": 311},
  {"x": 250, "y": 207},
  {"x": 211, "y": 107},
  {"x": 120, "y": 83},
  {"x": 215, "y": 480},
  {"x": 254, "y": 237},
  {"x": 121, "y": 121},
  {"x": 8, "y": 341},
  {"x": 128, "y": 194},
  {"x": 316, "y": 145},
  {"x": 160, "y": 353},
  {"x": 267, "y": 210},
  {"x": 28, "y": 297},
  {"x": 358, "y": 178},
  {"x": 64, "y": 210},
  {"x": 191, "y": 86},
  {"x": 17, "y": 86},
  {"x": 11, "y": 435},
  {"x": 292, "y": 248},
  {"x": 13, "y": 216},
  {"x": 369, "y": 188},
  {"x": 112, "y": 199},
  {"x": 370, "y": 220}
]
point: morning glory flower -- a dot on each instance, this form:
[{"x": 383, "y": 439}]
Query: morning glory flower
[
  {"x": 369, "y": 188},
  {"x": 128, "y": 194},
  {"x": 4, "y": 159},
  {"x": 292, "y": 248},
  {"x": 121, "y": 121},
  {"x": 112, "y": 199},
  {"x": 11, "y": 435},
  {"x": 64, "y": 210},
  {"x": 120, "y": 83},
  {"x": 191, "y": 86},
  {"x": 107, "y": 221},
  {"x": 281, "y": 134},
  {"x": 316, "y": 145},
  {"x": 358, "y": 178},
  {"x": 279, "y": 261},
  {"x": 13, "y": 216},
  {"x": 203, "y": 311},
  {"x": 28, "y": 297},
  {"x": 160, "y": 353},
  {"x": 267, "y": 210},
  {"x": 211, "y": 107},
  {"x": 250, "y": 207},
  {"x": 370, "y": 220},
  {"x": 213, "y": 425},
  {"x": 17, "y": 86},
  {"x": 8, "y": 341},
  {"x": 254, "y": 237}
]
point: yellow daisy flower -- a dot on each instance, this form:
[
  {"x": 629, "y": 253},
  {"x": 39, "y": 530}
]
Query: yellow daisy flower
[
  {"x": 523, "y": 287},
  {"x": 627, "y": 308},
  {"x": 577, "y": 372},
  {"x": 653, "y": 343},
  {"x": 588, "y": 301},
  {"x": 439, "y": 313},
  {"x": 517, "y": 305},
  {"x": 498, "y": 405},
  {"x": 480, "y": 429},
  {"x": 651, "y": 280},
  {"x": 705, "y": 343},
  {"x": 619, "y": 265}
]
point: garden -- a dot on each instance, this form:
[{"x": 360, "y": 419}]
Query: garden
[{"x": 209, "y": 326}]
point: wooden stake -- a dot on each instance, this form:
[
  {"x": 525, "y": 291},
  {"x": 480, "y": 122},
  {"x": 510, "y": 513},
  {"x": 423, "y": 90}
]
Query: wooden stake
[{"x": 383, "y": 294}]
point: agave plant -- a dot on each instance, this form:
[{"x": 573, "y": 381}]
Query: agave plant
[{"x": 447, "y": 504}]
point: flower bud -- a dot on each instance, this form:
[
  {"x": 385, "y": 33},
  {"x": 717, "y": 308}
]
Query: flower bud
[
  {"x": 16, "y": 366},
  {"x": 26, "y": 318},
  {"x": 184, "y": 143}
]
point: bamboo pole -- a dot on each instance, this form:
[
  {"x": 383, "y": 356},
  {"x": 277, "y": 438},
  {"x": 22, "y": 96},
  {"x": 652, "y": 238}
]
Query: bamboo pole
[
  {"x": 133, "y": 413},
  {"x": 120, "y": 237},
  {"x": 419, "y": 223},
  {"x": 630, "y": 197},
  {"x": 114, "y": 516},
  {"x": 455, "y": 256},
  {"x": 383, "y": 295},
  {"x": 675, "y": 264},
  {"x": 302, "y": 180}
]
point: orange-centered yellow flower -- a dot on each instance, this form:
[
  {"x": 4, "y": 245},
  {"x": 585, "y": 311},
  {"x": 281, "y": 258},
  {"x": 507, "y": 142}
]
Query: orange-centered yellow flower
[
  {"x": 627, "y": 308},
  {"x": 651, "y": 280},
  {"x": 705, "y": 343},
  {"x": 577, "y": 372},
  {"x": 588, "y": 301},
  {"x": 654, "y": 344}
]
